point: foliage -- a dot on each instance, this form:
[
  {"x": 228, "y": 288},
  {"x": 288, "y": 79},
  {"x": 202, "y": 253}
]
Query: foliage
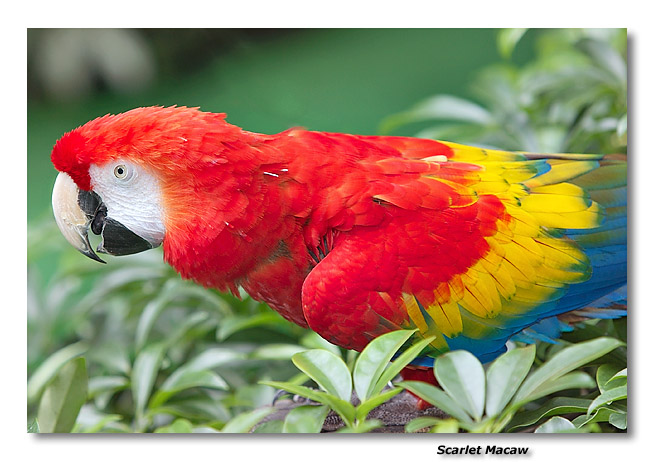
[
  {"x": 370, "y": 374},
  {"x": 571, "y": 98},
  {"x": 488, "y": 401}
]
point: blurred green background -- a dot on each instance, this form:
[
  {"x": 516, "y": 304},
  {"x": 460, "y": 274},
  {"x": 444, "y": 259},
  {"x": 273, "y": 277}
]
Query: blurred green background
[{"x": 157, "y": 348}]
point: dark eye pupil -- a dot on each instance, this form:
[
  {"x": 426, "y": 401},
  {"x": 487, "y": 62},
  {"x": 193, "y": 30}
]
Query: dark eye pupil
[{"x": 120, "y": 171}]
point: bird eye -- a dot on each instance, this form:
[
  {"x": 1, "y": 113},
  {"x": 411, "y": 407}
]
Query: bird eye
[{"x": 120, "y": 172}]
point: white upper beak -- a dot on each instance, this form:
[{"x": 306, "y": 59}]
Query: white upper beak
[{"x": 71, "y": 219}]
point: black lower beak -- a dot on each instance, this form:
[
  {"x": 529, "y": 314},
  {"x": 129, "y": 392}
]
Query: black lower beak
[{"x": 116, "y": 238}]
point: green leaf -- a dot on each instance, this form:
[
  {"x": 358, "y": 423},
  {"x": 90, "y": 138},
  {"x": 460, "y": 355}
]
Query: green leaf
[
  {"x": 619, "y": 420},
  {"x": 231, "y": 325},
  {"x": 555, "y": 406},
  {"x": 327, "y": 370},
  {"x": 313, "y": 341},
  {"x": 373, "y": 360},
  {"x": 270, "y": 426},
  {"x": 364, "y": 408},
  {"x": 183, "y": 379},
  {"x": 400, "y": 363},
  {"x": 144, "y": 373},
  {"x": 507, "y": 39},
  {"x": 102, "y": 423},
  {"x": 606, "y": 57},
  {"x": 243, "y": 423},
  {"x": 439, "y": 107},
  {"x": 362, "y": 427},
  {"x": 437, "y": 397},
  {"x": 50, "y": 367},
  {"x": 214, "y": 357},
  {"x": 421, "y": 422},
  {"x": 576, "y": 379},
  {"x": 563, "y": 362},
  {"x": 505, "y": 375},
  {"x": 606, "y": 372},
  {"x": 556, "y": 425},
  {"x": 153, "y": 309},
  {"x": 608, "y": 397},
  {"x": 619, "y": 379},
  {"x": 63, "y": 398},
  {"x": 462, "y": 376},
  {"x": 189, "y": 323},
  {"x": 33, "y": 427},
  {"x": 279, "y": 351},
  {"x": 178, "y": 426},
  {"x": 305, "y": 419},
  {"x": 107, "y": 383},
  {"x": 344, "y": 408},
  {"x": 603, "y": 414}
]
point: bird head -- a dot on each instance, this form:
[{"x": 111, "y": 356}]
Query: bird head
[{"x": 131, "y": 177}]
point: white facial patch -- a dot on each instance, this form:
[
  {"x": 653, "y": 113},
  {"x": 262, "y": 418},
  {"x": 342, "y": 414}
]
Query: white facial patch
[{"x": 132, "y": 196}]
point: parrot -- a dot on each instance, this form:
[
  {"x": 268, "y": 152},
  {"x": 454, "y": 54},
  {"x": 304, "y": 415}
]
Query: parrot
[{"x": 355, "y": 236}]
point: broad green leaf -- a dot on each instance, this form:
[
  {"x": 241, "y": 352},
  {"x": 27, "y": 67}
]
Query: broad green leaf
[
  {"x": 183, "y": 380},
  {"x": 563, "y": 362},
  {"x": 400, "y": 363},
  {"x": 33, "y": 427},
  {"x": 607, "y": 58},
  {"x": 63, "y": 398},
  {"x": 556, "y": 425},
  {"x": 271, "y": 426},
  {"x": 618, "y": 420},
  {"x": 243, "y": 423},
  {"x": 507, "y": 39},
  {"x": 50, "y": 367},
  {"x": 362, "y": 427},
  {"x": 214, "y": 357},
  {"x": 279, "y": 351},
  {"x": 446, "y": 426},
  {"x": 606, "y": 372},
  {"x": 364, "y": 408},
  {"x": 555, "y": 406},
  {"x": 102, "y": 423},
  {"x": 178, "y": 426},
  {"x": 305, "y": 419},
  {"x": 153, "y": 309},
  {"x": 439, "y": 107},
  {"x": 606, "y": 398},
  {"x": 327, "y": 370},
  {"x": 144, "y": 373},
  {"x": 619, "y": 379},
  {"x": 231, "y": 325},
  {"x": 344, "y": 408},
  {"x": 101, "y": 384},
  {"x": 421, "y": 422},
  {"x": 462, "y": 376},
  {"x": 505, "y": 375},
  {"x": 314, "y": 341},
  {"x": 452, "y": 108},
  {"x": 196, "y": 408},
  {"x": 189, "y": 323},
  {"x": 112, "y": 356},
  {"x": 373, "y": 360},
  {"x": 602, "y": 414},
  {"x": 576, "y": 379},
  {"x": 437, "y": 397}
]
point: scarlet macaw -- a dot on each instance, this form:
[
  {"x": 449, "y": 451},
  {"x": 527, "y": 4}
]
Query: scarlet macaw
[{"x": 353, "y": 236}]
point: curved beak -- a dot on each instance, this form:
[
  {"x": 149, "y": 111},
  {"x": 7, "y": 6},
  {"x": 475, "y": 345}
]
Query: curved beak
[
  {"x": 72, "y": 220},
  {"x": 76, "y": 210}
]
